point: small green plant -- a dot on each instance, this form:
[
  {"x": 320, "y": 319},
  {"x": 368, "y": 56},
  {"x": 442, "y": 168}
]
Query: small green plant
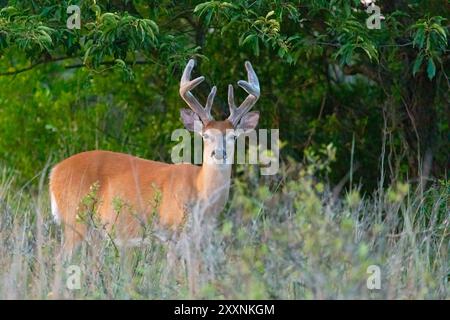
[{"x": 87, "y": 210}]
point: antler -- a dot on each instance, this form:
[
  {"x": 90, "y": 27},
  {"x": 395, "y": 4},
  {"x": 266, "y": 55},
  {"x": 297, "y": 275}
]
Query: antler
[
  {"x": 186, "y": 85},
  {"x": 251, "y": 87}
]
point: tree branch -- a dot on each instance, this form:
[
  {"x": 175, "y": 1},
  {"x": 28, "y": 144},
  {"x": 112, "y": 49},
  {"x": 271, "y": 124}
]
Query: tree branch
[
  {"x": 106, "y": 63},
  {"x": 51, "y": 60},
  {"x": 73, "y": 66}
]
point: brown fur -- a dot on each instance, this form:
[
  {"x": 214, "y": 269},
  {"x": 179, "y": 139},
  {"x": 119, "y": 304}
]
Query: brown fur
[
  {"x": 135, "y": 183},
  {"x": 222, "y": 126}
]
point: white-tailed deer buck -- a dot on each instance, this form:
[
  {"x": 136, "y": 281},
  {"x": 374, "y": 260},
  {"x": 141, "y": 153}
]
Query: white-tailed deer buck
[{"x": 134, "y": 182}]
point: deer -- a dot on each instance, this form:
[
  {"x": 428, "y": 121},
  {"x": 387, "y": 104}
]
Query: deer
[{"x": 136, "y": 181}]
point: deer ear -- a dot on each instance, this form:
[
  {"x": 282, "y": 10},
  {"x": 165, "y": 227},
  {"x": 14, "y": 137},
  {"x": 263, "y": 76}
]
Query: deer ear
[
  {"x": 191, "y": 120},
  {"x": 248, "y": 122}
]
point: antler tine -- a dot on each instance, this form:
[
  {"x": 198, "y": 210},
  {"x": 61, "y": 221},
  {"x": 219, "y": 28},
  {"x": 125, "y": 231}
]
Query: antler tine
[
  {"x": 209, "y": 101},
  {"x": 251, "y": 87},
  {"x": 186, "y": 85},
  {"x": 231, "y": 103}
]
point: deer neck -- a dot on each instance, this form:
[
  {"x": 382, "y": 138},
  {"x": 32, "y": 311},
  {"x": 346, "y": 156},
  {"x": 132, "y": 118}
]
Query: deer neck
[{"x": 214, "y": 185}]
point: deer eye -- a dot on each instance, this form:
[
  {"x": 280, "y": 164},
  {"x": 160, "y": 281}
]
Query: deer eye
[{"x": 206, "y": 136}]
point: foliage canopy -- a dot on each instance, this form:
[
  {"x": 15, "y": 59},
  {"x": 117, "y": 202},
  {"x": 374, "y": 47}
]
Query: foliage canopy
[{"x": 325, "y": 77}]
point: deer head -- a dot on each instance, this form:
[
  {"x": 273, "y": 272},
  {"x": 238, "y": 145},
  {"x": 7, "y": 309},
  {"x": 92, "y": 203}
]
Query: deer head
[{"x": 219, "y": 136}]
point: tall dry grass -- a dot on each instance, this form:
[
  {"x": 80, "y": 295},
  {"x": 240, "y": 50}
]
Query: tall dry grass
[{"x": 282, "y": 237}]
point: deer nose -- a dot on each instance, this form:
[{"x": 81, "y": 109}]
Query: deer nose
[{"x": 219, "y": 154}]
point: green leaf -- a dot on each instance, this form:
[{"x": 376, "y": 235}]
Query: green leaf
[
  {"x": 419, "y": 38},
  {"x": 431, "y": 69},
  {"x": 9, "y": 11},
  {"x": 440, "y": 30},
  {"x": 152, "y": 24},
  {"x": 120, "y": 63},
  {"x": 208, "y": 17},
  {"x": 256, "y": 46},
  {"x": 96, "y": 9},
  {"x": 202, "y": 6},
  {"x": 86, "y": 55},
  {"x": 271, "y": 13},
  {"x": 248, "y": 39},
  {"x": 417, "y": 64}
]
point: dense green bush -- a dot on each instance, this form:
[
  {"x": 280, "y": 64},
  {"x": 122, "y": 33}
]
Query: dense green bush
[{"x": 325, "y": 78}]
